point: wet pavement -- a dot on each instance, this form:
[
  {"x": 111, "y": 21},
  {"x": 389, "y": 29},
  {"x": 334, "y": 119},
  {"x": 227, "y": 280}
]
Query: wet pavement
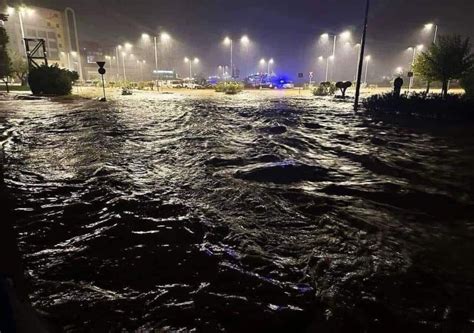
[{"x": 240, "y": 213}]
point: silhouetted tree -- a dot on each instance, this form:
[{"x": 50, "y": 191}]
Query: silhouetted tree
[
  {"x": 449, "y": 59},
  {"x": 19, "y": 67},
  {"x": 467, "y": 82},
  {"x": 5, "y": 63}
]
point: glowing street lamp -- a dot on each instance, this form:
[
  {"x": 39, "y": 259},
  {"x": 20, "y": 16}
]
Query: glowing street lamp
[
  {"x": 270, "y": 62},
  {"x": 124, "y": 54},
  {"x": 367, "y": 61},
  {"x": 22, "y": 11},
  {"x": 399, "y": 70},
  {"x": 164, "y": 38},
  {"x": 244, "y": 40},
  {"x": 262, "y": 63},
  {"x": 344, "y": 36},
  {"x": 418, "y": 48},
  {"x": 430, "y": 27},
  {"x": 191, "y": 62},
  {"x": 229, "y": 42}
]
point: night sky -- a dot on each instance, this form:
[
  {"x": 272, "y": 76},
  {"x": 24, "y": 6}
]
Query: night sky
[{"x": 285, "y": 30}]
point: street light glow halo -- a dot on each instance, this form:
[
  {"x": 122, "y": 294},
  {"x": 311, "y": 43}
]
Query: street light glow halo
[
  {"x": 345, "y": 35},
  {"x": 164, "y": 36},
  {"x": 245, "y": 39}
]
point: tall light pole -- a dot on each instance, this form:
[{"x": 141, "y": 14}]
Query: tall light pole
[
  {"x": 70, "y": 14},
  {"x": 140, "y": 65},
  {"x": 357, "y": 46},
  {"x": 430, "y": 27},
  {"x": 191, "y": 62},
  {"x": 361, "y": 57},
  {"x": 367, "y": 61},
  {"x": 21, "y": 11},
  {"x": 117, "y": 57},
  {"x": 270, "y": 62},
  {"x": 343, "y": 36},
  {"x": 415, "y": 49},
  {"x": 123, "y": 64},
  {"x": 245, "y": 42},
  {"x": 263, "y": 62},
  {"x": 164, "y": 37},
  {"x": 20, "y": 18},
  {"x": 228, "y": 41}
]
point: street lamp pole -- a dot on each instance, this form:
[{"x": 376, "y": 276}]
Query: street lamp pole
[
  {"x": 358, "y": 59},
  {"x": 123, "y": 63},
  {"x": 155, "y": 39},
  {"x": 361, "y": 57},
  {"x": 22, "y": 28},
  {"x": 232, "y": 58},
  {"x": 270, "y": 62},
  {"x": 141, "y": 69},
  {"x": 117, "y": 57},
  {"x": 327, "y": 69},
  {"x": 367, "y": 60},
  {"x": 412, "y": 79}
]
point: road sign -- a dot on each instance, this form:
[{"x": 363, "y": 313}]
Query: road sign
[
  {"x": 102, "y": 71},
  {"x": 410, "y": 74},
  {"x": 311, "y": 75}
]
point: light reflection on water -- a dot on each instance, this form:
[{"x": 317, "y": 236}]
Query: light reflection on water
[{"x": 239, "y": 213}]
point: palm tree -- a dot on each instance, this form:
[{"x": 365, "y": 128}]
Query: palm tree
[{"x": 449, "y": 59}]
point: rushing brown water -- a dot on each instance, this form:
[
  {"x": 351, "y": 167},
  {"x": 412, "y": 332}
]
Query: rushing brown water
[{"x": 240, "y": 214}]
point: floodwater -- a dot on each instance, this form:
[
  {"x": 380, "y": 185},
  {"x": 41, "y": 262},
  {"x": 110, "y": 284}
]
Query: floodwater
[{"x": 242, "y": 213}]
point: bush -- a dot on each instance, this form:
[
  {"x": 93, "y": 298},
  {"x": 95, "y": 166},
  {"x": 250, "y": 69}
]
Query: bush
[
  {"x": 325, "y": 89},
  {"x": 421, "y": 105},
  {"x": 467, "y": 83},
  {"x": 51, "y": 80},
  {"x": 230, "y": 88}
]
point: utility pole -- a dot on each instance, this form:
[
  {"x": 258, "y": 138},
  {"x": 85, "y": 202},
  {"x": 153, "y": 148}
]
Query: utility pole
[
  {"x": 361, "y": 57},
  {"x": 156, "y": 52}
]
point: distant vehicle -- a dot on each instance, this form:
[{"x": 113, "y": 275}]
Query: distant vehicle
[
  {"x": 191, "y": 84},
  {"x": 176, "y": 84},
  {"x": 282, "y": 83}
]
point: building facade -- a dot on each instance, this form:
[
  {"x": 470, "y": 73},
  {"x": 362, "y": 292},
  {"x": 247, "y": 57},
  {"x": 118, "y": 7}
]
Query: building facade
[{"x": 58, "y": 30}]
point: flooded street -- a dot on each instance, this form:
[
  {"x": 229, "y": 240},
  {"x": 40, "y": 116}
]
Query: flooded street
[{"x": 239, "y": 214}]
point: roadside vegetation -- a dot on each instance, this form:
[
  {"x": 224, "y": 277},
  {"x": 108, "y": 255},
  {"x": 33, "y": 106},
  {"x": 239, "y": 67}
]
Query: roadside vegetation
[
  {"x": 229, "y": 88},
  {"x": 451, "y": 58},
  {"x": 51, "y": 80},
  {"x": 325, "y": 89}
]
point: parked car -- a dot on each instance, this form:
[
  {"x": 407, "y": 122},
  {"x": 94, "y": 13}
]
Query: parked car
[{"x": 176, "y": 84}]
